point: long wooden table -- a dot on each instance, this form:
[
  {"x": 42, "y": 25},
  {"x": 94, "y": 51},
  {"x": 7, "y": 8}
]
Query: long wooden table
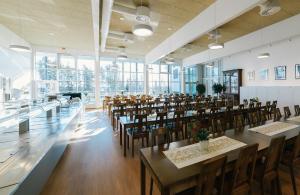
[
  {"x": 125, "y": 122},
  {"x": 166, "y": 175}
]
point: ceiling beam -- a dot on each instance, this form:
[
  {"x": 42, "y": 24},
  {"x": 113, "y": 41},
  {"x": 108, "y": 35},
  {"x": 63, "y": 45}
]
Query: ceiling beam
[
  {"x": 263, "y": 37},
  {"x": 105, "y": 21},
  {"x": 217, "y": 14},
  {"x": 96, "y": 22}
]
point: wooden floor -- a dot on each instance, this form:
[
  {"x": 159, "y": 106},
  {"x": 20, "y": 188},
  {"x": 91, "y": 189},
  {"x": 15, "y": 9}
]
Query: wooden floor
[{"x": 93, "y": 164}]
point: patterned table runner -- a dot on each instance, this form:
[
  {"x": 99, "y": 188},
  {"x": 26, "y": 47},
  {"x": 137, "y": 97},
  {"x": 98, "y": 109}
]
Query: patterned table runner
[
  {"x": 191, "y": 154},
  {"x": 274, "y": 128},
  {"x": 296, "y": 119}
]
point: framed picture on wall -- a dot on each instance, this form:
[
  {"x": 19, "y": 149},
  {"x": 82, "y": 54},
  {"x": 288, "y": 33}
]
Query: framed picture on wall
[
  {"x": 280, "y": 73},
  {"x": 297, "y": 71},
  {"x": 251, "y": 75},
  {"x": 264, "y": 74}
]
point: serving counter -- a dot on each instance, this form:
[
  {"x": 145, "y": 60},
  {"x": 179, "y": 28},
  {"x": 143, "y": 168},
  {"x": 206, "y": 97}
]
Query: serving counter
[{"x": 27, "y": 158}]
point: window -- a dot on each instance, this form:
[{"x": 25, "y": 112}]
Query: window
[
  {"x": 46, "y": 75},
  {"x": 117, "y": 77},
  {"x": 86, "y": 75},
  {"x": 191, "y": 79},
  {"x": 58, "y": 73},
  {"x": 67, "y": 74},
  {"x": 164, "y": 79},
  {"x": 212, "y": 74}
]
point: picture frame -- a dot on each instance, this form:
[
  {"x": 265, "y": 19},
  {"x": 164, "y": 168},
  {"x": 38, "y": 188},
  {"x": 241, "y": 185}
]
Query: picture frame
[
  {"x": 264, "y": 74},
  {"x": 251, "y": 75},
  {"x": 280, "y": 73},
  {"x": 297, "y": 71}
]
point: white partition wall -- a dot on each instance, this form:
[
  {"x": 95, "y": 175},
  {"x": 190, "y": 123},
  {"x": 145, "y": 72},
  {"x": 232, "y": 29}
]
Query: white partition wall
[{"x": 285, "y": 95}]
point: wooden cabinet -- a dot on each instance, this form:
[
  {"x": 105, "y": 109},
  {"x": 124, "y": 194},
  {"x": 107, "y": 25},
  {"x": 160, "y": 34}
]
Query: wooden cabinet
[{"x": 233, "y": 81}]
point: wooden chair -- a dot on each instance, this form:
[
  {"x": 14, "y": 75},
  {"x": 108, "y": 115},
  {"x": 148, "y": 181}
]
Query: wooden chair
[
  {"x": 238, "y": 122},
  {"x": 253, "y": 120},
  {"x": 240, "y": 179},
  {"x": 287, "y": 112},
  {"x": 160, "y": 127},
  {"x": 160, "y": 137},
  {"x": 297, "y": 110},
  {"x": 140, "y": 130},
  {"x": 218, "y": 128},
  {"x": 267, "y": 168},
  {"x": 212, "y": 171},
  {"x": 291, "y": 158},
  {"x": 277, "y": 114},
  {"x": 177, "y": 124}
]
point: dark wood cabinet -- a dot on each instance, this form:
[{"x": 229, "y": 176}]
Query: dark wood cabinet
[{"x": 233, "y": 81}]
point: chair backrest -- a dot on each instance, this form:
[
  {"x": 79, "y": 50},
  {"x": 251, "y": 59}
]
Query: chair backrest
[
  {"x": 296, "y": 149},
  {"x": 245, "y": 101},
  {"x": 277, "y": 114},
  {"x": 241, "y": 107},
  {"x": 253, "y": 118},
  {"x": 258, "y": 104},
  {"x": 140, "y": 122},
  {"x": 160, "y": 136},
  {"x": 218, "y": 128},
  {"x": 161, "y": 118},
  {"x": 297, "y": 110},
  {"x": 287, "y": 112},
  {"x": 208, "y": 174},
  {"x": 239, "y": 123},
  {"x": 273, "y": 155},
  {"x": 244, "y": 169}
]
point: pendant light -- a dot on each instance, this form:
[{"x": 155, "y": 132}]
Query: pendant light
[
  {"x": 264, "y": 54},
  {"x": 215, "y": 35},
  {"x": 17, "y": 47}
]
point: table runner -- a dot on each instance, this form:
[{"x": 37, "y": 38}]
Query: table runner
[
  {"x": 191, "y": 154},
  {"x": 296, "y": 119},
  {"x": 274, "y": 128}
]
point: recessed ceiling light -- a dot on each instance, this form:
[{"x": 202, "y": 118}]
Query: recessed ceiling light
[
  {"x": 121, "y": 18},
  {"x": 51, "y": 34},
  {"x": 19, "y": 48},
  {"x": 263, "y": 55},
  {"x": 122, "y": 57},
  {"x": 142, "y": 30},
  {"x": 170, "y": 28},
  {"x": 216, "y": 46}
]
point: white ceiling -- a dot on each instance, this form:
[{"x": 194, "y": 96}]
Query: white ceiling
[{"x": 53, "y": 23}]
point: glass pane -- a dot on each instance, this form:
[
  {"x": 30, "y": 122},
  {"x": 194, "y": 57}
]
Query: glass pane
[
  {"x": 67, "y": 61},
  {"x": 126, "y": 67},
  {"x": 133, "y": 66},
  {"x": 140, "y": 67},
  {"x": 164, "y": 69}
]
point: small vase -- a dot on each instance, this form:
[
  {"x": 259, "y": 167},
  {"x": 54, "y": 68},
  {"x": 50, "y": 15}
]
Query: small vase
[{"x": 204, "y": 145}]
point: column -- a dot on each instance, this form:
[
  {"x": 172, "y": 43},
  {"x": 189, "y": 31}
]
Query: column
[
  {"x": 146, "y": 79},
  {"x": 33, "y": 92},
  {"x": 97, "y": 82},
  {"x": 182, "y": 76}
]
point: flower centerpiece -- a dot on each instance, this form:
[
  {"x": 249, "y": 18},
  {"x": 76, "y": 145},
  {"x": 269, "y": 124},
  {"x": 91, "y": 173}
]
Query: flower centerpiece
[{"x": 199, "y": 135}]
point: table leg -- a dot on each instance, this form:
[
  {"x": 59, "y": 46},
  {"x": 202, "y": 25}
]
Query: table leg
[
  {"x": 124, "y": 141},
  {"x": 143, "y": 178},
  {"x": 121, "y": 129}
]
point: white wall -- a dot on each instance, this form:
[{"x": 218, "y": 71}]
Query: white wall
[
  {"x": 285, "y": 53},
  {"x": 15, "y": 65}
]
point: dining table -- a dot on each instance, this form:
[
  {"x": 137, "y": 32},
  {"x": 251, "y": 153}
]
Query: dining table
[
  {"x": 126, "y": 122},
  {"x": 167, "y": 173}
]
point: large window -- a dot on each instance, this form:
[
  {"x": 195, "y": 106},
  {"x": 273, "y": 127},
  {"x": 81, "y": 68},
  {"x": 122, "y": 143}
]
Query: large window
[
  {"x": 117, "y": 77},
  {"x": 164, "y": 79},
  {"x": 57, "y": 73},
  {"x": 212, "y": 74},
  {"x": 191, "y": 79}
]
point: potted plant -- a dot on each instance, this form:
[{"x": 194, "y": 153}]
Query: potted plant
[
  {"x": 200, "y": 88},
  {"x": 218, "y": 88},
  {"x": 224, "y": 88},
  {"x": 202, "y": 136}
]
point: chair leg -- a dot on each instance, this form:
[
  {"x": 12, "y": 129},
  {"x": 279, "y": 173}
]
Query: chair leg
[
  {"x": 262, "y": 189},
  {"x": 127, "y": 142},
  {"x": 132, "y": 146},
  {"x": 151, "y": 186},
  {"x": 278, "y": 185},
  {"x": 142, "y": 141},
  {"x": 147, "y": 140},
  {"x": 293, "y": 179}
]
